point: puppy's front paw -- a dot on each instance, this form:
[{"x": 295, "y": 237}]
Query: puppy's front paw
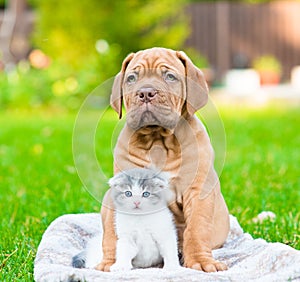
[
  {"x": 120, "y": 267},
  {"x": 206, "y": 264},
  {"x": 105, "y": 265}
]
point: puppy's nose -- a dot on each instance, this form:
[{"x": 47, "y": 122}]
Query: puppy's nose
[{"x": 147, "y": 94}]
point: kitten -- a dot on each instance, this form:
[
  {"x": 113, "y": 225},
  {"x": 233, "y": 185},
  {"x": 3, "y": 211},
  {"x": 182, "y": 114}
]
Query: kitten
[{"x": 144, "y": 225}]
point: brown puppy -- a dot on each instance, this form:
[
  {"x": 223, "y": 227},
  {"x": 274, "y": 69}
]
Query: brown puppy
[{"x": 161, "y": 90}]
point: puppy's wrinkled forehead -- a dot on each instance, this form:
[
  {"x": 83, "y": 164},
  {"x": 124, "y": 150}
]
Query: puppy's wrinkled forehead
[{"x": 155, "y": 59}]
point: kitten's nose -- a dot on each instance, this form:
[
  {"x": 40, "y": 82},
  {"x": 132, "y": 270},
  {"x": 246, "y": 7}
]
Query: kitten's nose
[{"x": 137, "y": 204}]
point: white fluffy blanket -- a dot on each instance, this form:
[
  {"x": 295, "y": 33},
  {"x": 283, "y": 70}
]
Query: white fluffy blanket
[{"x": 248, "y": 259}]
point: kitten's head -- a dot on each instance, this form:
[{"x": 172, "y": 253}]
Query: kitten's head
[{"x": 140, "y": 190}]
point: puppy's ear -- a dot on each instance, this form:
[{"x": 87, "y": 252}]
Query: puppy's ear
[
  {"x": 196, "y": 86},
  {"x": 116, "y": 96}
]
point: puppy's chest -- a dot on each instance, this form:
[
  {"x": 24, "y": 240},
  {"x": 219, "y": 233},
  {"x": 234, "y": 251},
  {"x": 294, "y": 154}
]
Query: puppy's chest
[
  {"x": 155, "y": 148},
  {"x": 163, "y": 153}
]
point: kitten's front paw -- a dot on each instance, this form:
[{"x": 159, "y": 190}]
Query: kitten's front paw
[{"x": 120, "y": 267}]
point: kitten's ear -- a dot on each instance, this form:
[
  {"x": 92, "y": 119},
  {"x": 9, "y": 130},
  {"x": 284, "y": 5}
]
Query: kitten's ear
[
  {"x": 111, "y": 181},
  {"x": 163, "y": 187},
  {"x": 165, "y": 176},
  {"x": 161, "y": 182},
  {"x": 114, "y": 187},
  {"x": 115, "y": 180}
]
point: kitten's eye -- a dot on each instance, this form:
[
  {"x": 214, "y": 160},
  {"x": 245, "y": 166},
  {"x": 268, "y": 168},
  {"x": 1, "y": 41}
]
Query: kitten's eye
[
  {"x": 170, "y": 77},
  {"x": 128, "y": 194},
  {"x": 131, "y": 78},
  {"x": 146, "y": 194}
]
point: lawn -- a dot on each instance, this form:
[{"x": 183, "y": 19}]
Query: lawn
[{"x": 39, "y": 182}]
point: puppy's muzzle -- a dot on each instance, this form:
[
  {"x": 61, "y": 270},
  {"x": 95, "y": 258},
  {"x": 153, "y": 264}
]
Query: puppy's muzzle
[{"x": 147, "y": 94}]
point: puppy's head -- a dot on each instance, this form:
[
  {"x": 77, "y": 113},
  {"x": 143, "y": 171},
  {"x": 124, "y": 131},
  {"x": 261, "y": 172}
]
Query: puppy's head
[{"x": 157, "y": 86}]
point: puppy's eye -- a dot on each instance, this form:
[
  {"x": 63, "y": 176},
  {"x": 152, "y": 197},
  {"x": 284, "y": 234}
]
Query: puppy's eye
[
  {"x": 146, "y": 194},
  {"x": 170, "y": 77},
  {"x": 131, "y": 78},
  {"x": 128, "y": 194}
]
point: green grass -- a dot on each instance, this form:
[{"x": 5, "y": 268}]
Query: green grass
[
  {"x": 38, "y": 180},
  {"x": 262, "y": 170}
]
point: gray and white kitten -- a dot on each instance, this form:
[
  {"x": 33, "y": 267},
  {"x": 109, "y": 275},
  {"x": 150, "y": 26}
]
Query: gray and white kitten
[{"x": 144, "y": 225}]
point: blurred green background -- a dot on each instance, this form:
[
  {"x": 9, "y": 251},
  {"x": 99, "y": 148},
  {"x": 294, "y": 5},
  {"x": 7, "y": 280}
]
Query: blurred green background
[
  {"x": 86, "y": 42},
  {"x": 82, "y": 43}
]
